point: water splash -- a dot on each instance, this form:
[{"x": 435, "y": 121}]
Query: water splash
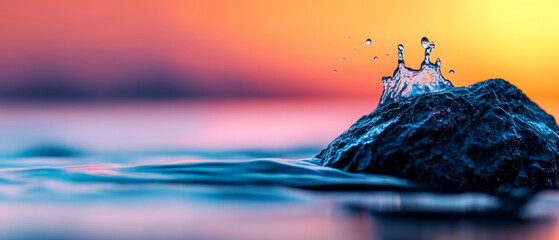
[{"x": 407, "y": 82}]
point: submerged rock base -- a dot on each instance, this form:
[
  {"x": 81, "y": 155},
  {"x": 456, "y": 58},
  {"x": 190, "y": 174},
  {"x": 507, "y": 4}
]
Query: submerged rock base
[{"x": 481, "y": 137}]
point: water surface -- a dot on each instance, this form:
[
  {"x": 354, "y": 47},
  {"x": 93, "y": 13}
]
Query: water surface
[{"x": 221, "y": 170}]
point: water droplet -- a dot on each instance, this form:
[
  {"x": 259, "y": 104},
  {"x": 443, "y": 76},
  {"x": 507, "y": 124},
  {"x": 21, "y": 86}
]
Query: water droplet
[
  {"x": 451, "y": 71},
  {"x": 335, "y": 71},
  {"x": 388, "y": 55},
  {"x": 375, "y": 58},
  {"x": 400, "y": 47},
  {"x": 425, "y": 42},
  {"x": 343, "y": 59},
  {"x": 368, "y": 41}
]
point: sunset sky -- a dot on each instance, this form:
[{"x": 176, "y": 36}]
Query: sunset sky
[{"x": 272, "y": 48}]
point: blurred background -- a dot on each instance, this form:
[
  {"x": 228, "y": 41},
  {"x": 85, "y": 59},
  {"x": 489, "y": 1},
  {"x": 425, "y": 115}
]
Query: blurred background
[{"x": 146, "y": 49}]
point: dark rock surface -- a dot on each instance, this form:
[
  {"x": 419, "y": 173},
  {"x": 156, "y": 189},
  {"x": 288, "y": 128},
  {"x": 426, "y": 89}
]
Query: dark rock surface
[{"x": 482, "y": 137}]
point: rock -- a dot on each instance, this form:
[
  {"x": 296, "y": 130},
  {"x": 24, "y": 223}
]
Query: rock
[{"x": 482, "y": 137}]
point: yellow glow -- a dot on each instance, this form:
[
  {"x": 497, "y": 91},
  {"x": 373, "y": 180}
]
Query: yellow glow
[
  {"x": 297, "y": 44},
  {"x": 515, "y": 40}
]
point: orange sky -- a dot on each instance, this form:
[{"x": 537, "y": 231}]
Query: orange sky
[{"x": 280, "y": 46}]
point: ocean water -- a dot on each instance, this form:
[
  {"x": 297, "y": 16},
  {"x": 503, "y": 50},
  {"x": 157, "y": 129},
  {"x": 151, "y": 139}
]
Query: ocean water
[{"x": 223, "y": 170}]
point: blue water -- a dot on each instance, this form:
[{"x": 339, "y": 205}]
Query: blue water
[
  {"x": 50, "y": 178},
  {"x": 99, "y": 173}
]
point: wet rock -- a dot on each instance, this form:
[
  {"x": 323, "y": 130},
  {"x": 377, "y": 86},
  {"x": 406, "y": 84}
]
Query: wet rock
[{"x": 482, "y": 137}]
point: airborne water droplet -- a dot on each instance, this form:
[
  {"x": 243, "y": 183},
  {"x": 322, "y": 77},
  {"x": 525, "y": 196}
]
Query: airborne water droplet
[
  {"x": 400, "y": 47},
  {"x": 343, "y": 59},
  {"x": 368, "y": 41},
  {"x": 388, "y": 55},
  {"x": 335, "y": 71},
  {"x": 451, "y": 71},
  {"x": 375, "y": 58}
]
